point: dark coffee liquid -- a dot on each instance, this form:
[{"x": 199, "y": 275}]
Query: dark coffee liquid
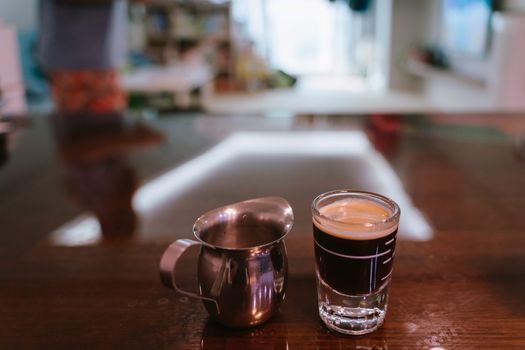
[{"x": 352, "y": 266}]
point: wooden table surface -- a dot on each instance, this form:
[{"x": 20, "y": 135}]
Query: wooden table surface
[{"x": 459, "y": 273}]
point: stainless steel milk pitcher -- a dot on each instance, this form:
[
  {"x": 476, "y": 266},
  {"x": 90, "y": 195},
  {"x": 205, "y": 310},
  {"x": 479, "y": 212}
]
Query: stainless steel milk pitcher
[{"x": 242, "y": 266}]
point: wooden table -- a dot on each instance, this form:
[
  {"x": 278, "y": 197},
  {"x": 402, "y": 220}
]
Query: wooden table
[{"x": 459, "y": 274}]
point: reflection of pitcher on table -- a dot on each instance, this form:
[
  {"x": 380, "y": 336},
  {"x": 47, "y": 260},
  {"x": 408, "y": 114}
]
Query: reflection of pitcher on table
[{"x": 243, "y": 266}]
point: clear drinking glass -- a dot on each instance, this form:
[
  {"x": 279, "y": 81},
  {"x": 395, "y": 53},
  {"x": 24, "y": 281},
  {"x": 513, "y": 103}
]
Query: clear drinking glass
[{"x": 354, "y": 239}]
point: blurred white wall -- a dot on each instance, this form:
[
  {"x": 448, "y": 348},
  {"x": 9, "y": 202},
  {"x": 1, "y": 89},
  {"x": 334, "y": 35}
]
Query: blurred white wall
[{"x": 409, "y": 25}]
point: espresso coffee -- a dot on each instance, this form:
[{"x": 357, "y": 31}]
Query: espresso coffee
[{"x": 353, "y": 256}]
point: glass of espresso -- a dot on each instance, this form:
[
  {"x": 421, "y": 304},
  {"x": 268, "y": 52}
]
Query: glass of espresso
[{"x": 354, "y": 239}]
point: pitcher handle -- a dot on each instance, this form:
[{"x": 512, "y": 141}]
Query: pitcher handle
[{"x": 168, "y": 262}]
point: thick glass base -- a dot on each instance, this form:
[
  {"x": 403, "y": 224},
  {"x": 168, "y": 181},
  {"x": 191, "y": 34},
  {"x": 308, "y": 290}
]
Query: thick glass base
[{"x": 352, "y": 314}]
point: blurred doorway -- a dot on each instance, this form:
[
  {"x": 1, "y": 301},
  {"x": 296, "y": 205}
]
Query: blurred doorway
[{"x": 326, "y": 43}]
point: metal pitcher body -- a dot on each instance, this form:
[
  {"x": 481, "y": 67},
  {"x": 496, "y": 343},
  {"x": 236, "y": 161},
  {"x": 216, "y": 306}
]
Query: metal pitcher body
[
  {"x": 248, "y": 285},
  {"x": 242, "y": 266}
]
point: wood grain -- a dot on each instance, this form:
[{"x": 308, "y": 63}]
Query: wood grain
[{"x": 462, "y": 289}]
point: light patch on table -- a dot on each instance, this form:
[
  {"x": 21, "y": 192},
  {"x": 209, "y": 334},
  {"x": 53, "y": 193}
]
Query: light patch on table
[{"x": 180, "y": 180}]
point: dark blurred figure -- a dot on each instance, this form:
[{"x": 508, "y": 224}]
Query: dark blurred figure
[{"x": 81, "y": 45}]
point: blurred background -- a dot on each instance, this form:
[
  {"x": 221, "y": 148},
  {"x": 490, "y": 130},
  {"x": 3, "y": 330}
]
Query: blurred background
[
  {"x": 255, "y": 56},
  {"x": 96, "y": 95}
]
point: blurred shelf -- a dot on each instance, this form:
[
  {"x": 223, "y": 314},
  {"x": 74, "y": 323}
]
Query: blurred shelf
[{"x": 175, "y": 28}]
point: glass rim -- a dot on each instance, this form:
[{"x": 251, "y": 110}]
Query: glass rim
[{"x": 396, "y": 211}]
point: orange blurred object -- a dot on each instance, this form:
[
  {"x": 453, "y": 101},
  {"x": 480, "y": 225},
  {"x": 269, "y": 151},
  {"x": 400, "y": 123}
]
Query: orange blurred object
[{"x": 96, "y": 91}]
